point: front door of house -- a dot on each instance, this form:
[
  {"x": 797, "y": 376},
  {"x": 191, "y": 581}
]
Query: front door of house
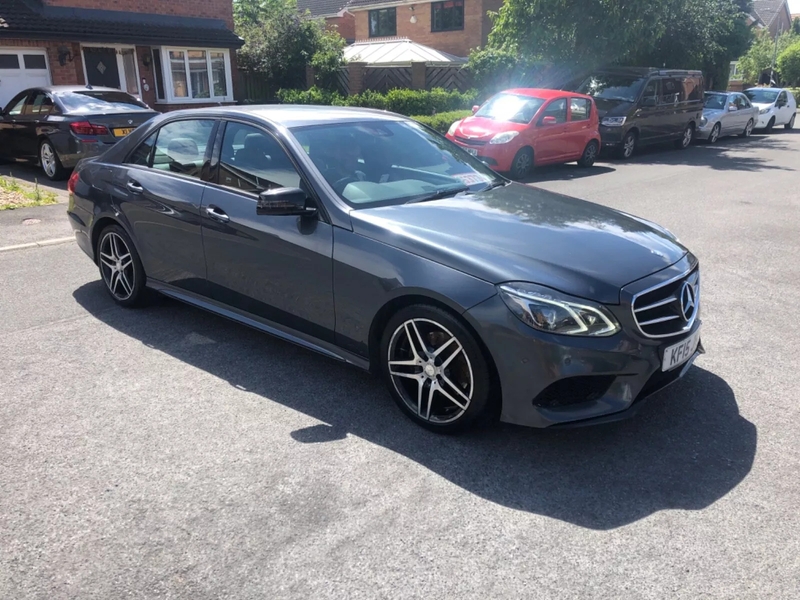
[{"x": 101, "y": 66}]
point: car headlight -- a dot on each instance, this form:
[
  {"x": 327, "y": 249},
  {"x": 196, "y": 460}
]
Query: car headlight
[
  {"x": 703, "y": 121},
  {"x": 553, "y": 312},
  {"x": 504, "y": 138},
  {"x": 613, "y": 121},
  {"x": 453, "y": 127},
  {"x": 764, "y": 111}
]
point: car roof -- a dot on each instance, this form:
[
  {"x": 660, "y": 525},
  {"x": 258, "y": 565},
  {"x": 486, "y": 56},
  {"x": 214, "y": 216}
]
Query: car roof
[
  {"x": 542, "y": 93},
  {"x": 772, "y": 89},
  {"x": 293, "y": 115},
  {"x": 74, "y": 88},
  {"x": 646, "y": 71}
]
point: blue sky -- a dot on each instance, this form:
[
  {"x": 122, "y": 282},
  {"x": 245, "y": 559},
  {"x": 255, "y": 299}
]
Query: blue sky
[{"x": 794, "y": 6}]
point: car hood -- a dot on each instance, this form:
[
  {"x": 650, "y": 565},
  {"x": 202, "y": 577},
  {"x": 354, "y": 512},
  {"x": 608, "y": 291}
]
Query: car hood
[
  {"x": 712, "y": 113},
  {"x": 483, "y": 129},
  {"x": 612, "y": 108},
  {"x": 519, "y": 233},
  {"x": 760, "y": 105}
]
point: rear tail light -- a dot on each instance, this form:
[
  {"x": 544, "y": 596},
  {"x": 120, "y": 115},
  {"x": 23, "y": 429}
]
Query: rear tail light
[
  {"x": 73, "y": 181},
  {"x": 86, "y": 128}
]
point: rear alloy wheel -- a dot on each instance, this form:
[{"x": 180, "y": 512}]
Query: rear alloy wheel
[
  {"x": 748, "y": 129},
  {"x": 790, "y": 124},
  {"x": 628, "y": 145},
  {"x": 120, "y": 266},
  {"x": 714, "y": 135},
  {"x": 51, "y": 164},
  {"x": 686, "y": 139},
  {"x": 589, "y": 154},
  {"x": 522, "y": 165},
  {"x": 435, "y": 369},
  {"x": 770, "y": 125}
]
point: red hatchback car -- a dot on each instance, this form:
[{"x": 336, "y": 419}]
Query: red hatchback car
[{"x": 518, "y": 129}]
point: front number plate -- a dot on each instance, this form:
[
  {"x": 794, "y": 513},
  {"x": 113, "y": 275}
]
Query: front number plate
[
  {"x": 471, "y": 151},
  {"x": 122, "y": 131},
  {"x": 679, "y": 353}
]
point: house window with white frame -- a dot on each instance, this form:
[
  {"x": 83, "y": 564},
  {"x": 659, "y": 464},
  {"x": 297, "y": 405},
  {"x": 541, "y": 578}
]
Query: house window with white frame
[{"x": 195, "y": 75}]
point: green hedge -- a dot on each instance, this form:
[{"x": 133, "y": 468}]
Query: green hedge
[
  {"x": 402, "y": 101},
  {"x": 441, "y": 122}
]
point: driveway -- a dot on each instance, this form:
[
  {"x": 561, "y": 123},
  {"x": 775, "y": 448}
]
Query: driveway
[
  {"x": 165, "y": 452},
  {"x": 33, "y": 175}
]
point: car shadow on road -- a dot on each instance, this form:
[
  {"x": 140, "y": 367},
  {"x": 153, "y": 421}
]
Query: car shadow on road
[
  {"x": 564, "y": 172},
  {"x": 685, "y": 450},
  {"x": 728, "y": 154}
]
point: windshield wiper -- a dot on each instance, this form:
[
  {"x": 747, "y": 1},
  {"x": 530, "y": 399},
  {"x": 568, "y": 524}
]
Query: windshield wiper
[{"x": 440, "y": 194}]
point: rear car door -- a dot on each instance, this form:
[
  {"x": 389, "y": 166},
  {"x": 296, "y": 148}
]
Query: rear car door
[
  {"x": 579, "y": 130},
  {"x": 159, "y": 189},
  {"x": 550, "y": 139},
  {"x": 278, "y": 268}
]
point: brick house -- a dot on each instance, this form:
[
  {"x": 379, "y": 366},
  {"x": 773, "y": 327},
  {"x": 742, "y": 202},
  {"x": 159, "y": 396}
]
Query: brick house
[
  {"x": 452, "y": 26},
  {"x": 335, "y": 14},
  {"x": 774, "y": 15},
  {"x": 170, "y": 54}
]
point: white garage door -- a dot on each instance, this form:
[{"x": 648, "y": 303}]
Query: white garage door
[{"x": 21, "y": 68}]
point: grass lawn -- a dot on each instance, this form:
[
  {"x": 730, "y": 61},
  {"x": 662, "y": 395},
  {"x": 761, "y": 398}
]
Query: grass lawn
[{"x": 14, "y": 194}]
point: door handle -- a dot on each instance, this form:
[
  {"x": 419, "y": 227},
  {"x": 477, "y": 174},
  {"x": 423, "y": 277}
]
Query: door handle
[
  {"x": 134, "y": 187},
  {"x": 217, "y": 214}
]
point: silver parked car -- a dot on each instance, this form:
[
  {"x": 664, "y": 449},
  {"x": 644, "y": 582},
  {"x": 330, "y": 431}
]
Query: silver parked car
[{"x": 726, "y": 113}]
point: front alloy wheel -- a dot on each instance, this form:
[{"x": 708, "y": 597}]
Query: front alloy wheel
[
  {"x": 714, "y": 135},
  {"x": 523, "y": 164},
  {"x": 436, "y": 371},
  {"x": 120, "y": 266},
  {"x": 628, "y": 145}
]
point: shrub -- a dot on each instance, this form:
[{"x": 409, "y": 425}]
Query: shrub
[
  {"x": 403, "y": 101},
  {"x": 789, "y": 63},
  {"x": 441, "y": 121}
]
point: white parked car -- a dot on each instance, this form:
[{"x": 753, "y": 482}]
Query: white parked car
[{"x": 776, "y": 106}]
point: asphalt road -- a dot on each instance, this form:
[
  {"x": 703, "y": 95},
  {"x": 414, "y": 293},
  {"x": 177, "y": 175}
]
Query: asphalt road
[{"x": 167, "y": 453}]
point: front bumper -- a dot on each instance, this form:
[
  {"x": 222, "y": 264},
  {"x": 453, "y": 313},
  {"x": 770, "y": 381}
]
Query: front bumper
[
  {"x": 763, "y": 120},
  {"x": 703, "y": 132},
  {"x": 561, "y": 381},
  {"x": 611, "y": 137}
]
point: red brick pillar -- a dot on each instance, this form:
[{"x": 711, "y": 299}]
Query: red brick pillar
[
  {"x": 419, "y": 72},
  {"x": 355, "y": 71},
  {"x": 310, "y": 77}
]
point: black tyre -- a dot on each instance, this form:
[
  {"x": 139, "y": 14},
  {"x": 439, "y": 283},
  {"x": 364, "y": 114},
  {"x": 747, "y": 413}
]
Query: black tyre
[
  {"x": 714, "y": 135},
  {"x": 522, "y": 165},
  {"x": 790, "y": 125},
  {"x": 590, "y": 154},
  {"x": 120, "y": 267},
  {"x": 748, "y": 129},
  {"x": 770, "y": 125},
  {"x": 51, "y": 164},
  {"x": 435, "y": 369},
  {"x": 686, "y": 138},
  {"x": 629, "y": 143}
]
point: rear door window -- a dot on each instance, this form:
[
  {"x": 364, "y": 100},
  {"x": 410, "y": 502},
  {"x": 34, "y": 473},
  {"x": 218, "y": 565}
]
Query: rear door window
[
  {"x": 579, "y": 109},
  {"x": 672, "y": 90},
  {"x": 181, "y": 146},
  {"x": 692, "y": 89}
]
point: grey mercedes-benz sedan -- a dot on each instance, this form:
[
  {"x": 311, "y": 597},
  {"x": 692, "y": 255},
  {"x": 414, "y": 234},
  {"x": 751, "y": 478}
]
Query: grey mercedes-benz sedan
[{"x": 367, "y": 237}]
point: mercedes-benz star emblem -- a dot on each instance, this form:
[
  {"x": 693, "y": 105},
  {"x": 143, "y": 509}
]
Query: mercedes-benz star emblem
[
  {"x": 130, "y": 121},
  {"x": 688, "y": 301}
]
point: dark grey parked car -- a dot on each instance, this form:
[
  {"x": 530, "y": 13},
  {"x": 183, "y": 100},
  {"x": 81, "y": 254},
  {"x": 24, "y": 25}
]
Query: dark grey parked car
[
  {"x": 377, "y": 242},
  {"x": 59, "y": 125}
]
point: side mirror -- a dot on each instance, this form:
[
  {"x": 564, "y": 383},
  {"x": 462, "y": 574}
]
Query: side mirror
[
  {"x": 284, "y": 202},
  {"x": 549, "y": 120},
  {"x": 732, "y": 107},
  {"x": 475, "y": 109},
  {"x": 650, "y": 101}
]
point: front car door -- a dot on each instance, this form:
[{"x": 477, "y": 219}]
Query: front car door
[
  {"x": 276, "y": 268},
  {"x": 159, "y": 189},
  {"x": 672, "y": 112},
  {"x": 550, "y": 138},
  {"x": 11, "y": 122},
  {"x": 784, "y": 110},
  {"x": 647, "y": 117}
]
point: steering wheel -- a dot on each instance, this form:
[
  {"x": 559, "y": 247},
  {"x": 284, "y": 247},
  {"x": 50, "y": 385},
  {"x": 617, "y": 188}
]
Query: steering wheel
[{"x": 339, "y": 186}]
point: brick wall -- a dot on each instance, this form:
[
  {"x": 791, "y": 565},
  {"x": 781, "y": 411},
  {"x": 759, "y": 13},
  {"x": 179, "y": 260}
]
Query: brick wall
[
  {"x": 211, "y": 9},
  {"x": 346, "y": 25},
  {"x": 476, "y": 26},
  {"x": 70, "y": 74}
]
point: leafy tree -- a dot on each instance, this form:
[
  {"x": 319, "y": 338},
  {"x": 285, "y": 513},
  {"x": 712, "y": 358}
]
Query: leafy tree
[
  {"x": 279, "y": 42},
  {"x": 789, "y": 63},
  {"x": 796, "y": 26},
  {"x": 759, "y": 57}
]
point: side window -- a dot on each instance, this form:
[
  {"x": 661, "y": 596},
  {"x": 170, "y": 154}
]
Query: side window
[
  {"x": 16, "y": 105},
  {"x": 141, "y": 156},
  {"x": 557, "y": 109},
  {"x": 579, "y": 109},
  {"x": 181, "y": 146},
  {"x": 41, "y": 105},
  {"x": 253, "y": 161},
  {"x": 672, "y": 90},
  {"x": 782, "y": 100},
  {"x": 652, "y": 90}
]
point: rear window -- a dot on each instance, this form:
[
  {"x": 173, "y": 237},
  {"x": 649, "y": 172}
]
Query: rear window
[{"x": 96, "y": 101}]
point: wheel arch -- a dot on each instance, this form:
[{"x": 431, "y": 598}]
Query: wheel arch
[
  {"x": 392, "y": 306},
  {"x": 100, "y": 224}
]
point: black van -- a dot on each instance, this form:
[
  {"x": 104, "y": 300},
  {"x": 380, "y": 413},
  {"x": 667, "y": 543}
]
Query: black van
[{"x": 639, "y": 105}]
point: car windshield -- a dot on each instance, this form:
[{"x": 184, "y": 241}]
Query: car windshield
[
  {"x": 510, "y": 107},
  {"x": 611, "y": 86},
  {"x": 380, "y": 163},
  {"x": 764, "y": 96},
  {"x": 715, "y": 101},
  {"x": 98, "y": 101}
]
